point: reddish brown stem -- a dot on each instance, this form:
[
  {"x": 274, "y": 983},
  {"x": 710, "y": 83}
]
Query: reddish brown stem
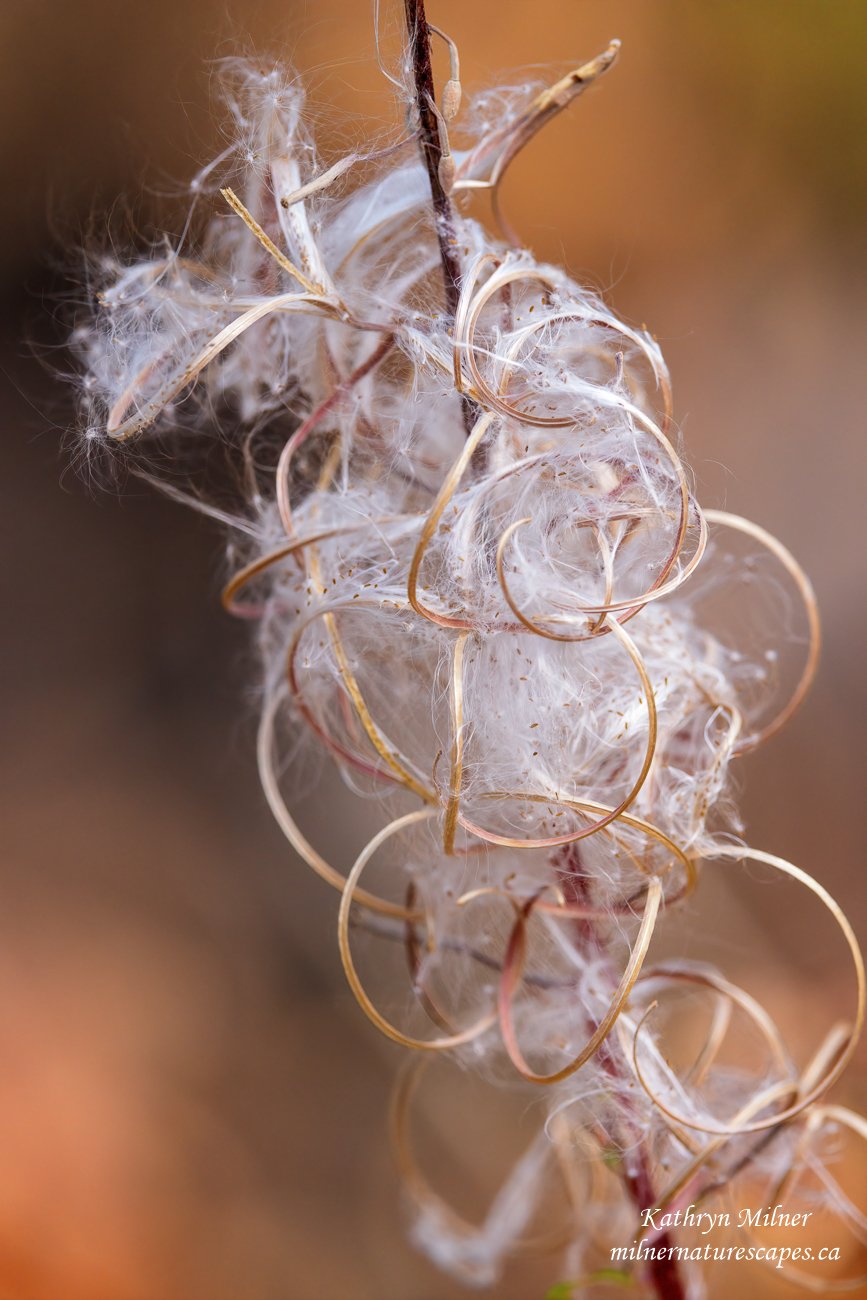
[
  {"x": 432, "y": 148},
  {"x": 663, "y": 1273}
]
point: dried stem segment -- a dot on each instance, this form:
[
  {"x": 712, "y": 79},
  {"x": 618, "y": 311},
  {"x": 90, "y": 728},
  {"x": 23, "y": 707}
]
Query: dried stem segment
[
  {"x": 663, "y": 1274},
  {"x": 432, "y": 152},
  {"x": 432, "y": 147}
]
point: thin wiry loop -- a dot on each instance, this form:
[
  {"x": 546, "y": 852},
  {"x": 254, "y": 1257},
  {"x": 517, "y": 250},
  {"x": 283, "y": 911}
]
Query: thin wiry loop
[
  {"x": 856, "y": 1220},
  {"x": 760, "y": 1101},
  {"x": 289, "y": 827},
  {"x": 468, "y": 312},
  {"x": 435, "y": 514},
  {"x": 281, "y": 478},
  {"x": 496, "y": 401},
  {"x": 420, "y": 1189},
  {"x": 485, "y": 166},
  {"x": 660, "y": 374},
  {"x": 387, "y": 751},
  {"x": 633, "y": 515},
  {"x": 553, "y": 841},
  {"x": 506, "y": 275},
  {"x": 511, "y": 977},
  {"x": 398, "y": 766},
  {"x": 120, "y": 429},
  {"x": 634, "y": 604},
  {"x": 730, "y": 995},
  {"x": 805, "y": 588},
  {"x": 348, "y": 896},
  {"x": 609, "y": 818},
  {"x": 845, "y": 1054},
  {"x": 815, "y": 1119},
  {"x": 586, "y": 318},
  {"x": 393, "y": 771},
  {"x": 263, "y": 563},
  {"x": 554, "y": 394}
]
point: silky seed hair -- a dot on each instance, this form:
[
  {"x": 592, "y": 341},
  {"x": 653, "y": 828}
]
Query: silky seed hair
[{"x": 463, "y": 529}]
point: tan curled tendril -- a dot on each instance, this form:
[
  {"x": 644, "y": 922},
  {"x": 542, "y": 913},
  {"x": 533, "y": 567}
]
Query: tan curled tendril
[
  {"x": 496, "y": 400},
  {"x": 805, "y": 589},
  {"x": 856, "y": 1221},
  {"x": 710, "y": 1048},
  {"x": 634, "y": 823},
  {"x": 387, "y": 751},
  {"x": 510, "y": 978},
  {"x": 503, "y": 277},
  {"x": 467, "y": 322},
  {"x": 843, "y": 1057},
  {"x": 255, "y": 569},
  {"x": 468, "y": 312},
  {"x": 420, "y": 1189},
  {"x": 485, "y": 166},
  {"x": 787, "y": 1087},
  {"x": 429, "y": 527},
  {"x": 813, "y": 1121},
  {"x": 290, "y": 828},
  {"x": 510, "y": 362},
  {"x": 609, "y": 818},
  {"x": 263, "y": 563},
  {"x": 628, "y": 517},
  {"x": 469, "y": 454},
  {"x": 727, "y": 995},
  {"x": 634, "y": 604},
  {"x": 120, "y": 429},
  {"x": 658, "y": 588},
  {"x": 444, "y": 1042},
  {"x": 611, "y": 815},
  {"x": 399, "y": 768},
  {"x": 705, "y": 1153}
]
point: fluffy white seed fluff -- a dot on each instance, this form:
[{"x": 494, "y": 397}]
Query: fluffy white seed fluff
[{"x": 499, "y": 632}]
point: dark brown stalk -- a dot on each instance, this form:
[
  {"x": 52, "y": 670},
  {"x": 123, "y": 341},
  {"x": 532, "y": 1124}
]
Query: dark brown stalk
[{"x": 432, "y": 148}]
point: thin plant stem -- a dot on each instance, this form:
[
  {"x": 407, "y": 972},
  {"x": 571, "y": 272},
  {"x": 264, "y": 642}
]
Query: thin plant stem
[
  {"x": 431, "y": 147},
  {"x": 663, "y": 1273}
]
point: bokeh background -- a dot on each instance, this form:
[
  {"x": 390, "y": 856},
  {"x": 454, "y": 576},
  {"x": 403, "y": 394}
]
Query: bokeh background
[{"x": 191, "y": 1107}]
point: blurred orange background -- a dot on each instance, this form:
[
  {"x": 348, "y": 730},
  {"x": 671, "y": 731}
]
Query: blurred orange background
[{"x": 191, "y": 1106}]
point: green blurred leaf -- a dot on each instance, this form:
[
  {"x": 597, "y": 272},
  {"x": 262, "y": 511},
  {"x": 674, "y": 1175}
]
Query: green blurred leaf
[{"x": 602, "y": 1276}]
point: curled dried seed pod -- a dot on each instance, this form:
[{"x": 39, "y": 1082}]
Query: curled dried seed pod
[{"x": 474, "y": 556}]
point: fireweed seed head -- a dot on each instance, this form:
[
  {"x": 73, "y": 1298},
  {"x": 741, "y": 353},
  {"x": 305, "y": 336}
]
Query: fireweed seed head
[{"x": 481, "y": 583}]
